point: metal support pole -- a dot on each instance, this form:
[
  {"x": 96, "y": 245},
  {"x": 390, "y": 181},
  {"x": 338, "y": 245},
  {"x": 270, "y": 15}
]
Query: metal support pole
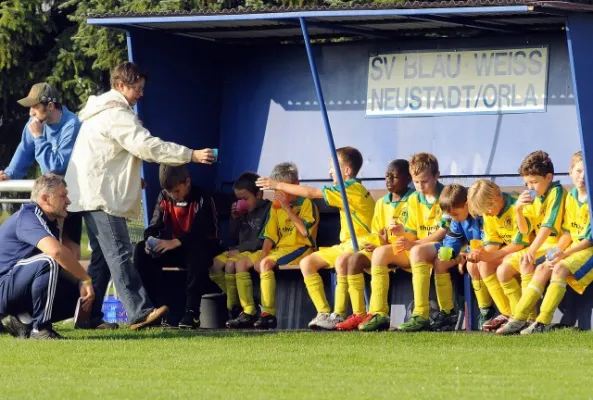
[{"x": 328, "y": 130}]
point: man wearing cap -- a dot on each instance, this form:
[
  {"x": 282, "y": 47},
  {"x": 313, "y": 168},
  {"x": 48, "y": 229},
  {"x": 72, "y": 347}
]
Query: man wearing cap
[{"x": 48, "y": 138}]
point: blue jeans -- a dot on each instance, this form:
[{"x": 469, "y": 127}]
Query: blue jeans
[{"x": 112, "y": 257}]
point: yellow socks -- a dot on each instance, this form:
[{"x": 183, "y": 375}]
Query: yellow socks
[
  {"x": 268, "y": 292},
  {"x": 232, "y": 296},
  {"x": 421, "y": 282},
  {"x": 245, "y": 289},
  {"x": 531, "y": 294},
  {"x": 513, "y": 292},
  {"x": 497, "y": 294},
  {"x": 525, "y": 280},
  {"x": 218, "y": 278},
  {"x": 341, "y": 300},
  {"x": 379, "y": 291},
  {"x": 356, "y": 292},
  {"x": 444, "y": 289},
  {"x": 482, "y": 294},
  {"x": 552, "y": 299},
  {"x": 314, "y": 285}
]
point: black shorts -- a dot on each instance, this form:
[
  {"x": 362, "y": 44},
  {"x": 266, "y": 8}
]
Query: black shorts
[{"x": 73, "y": 227}]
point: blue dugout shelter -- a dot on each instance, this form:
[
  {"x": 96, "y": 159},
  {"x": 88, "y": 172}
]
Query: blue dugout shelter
[{"x": 479, "y": 83}]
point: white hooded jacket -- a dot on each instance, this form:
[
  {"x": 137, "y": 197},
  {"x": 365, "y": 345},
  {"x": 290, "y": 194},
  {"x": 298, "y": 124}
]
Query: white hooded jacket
[{"x": 105, "y": 168}]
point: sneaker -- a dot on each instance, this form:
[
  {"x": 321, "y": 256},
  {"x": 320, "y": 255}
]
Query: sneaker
[
  {"x": 444, "y": 321},
  {"x": 96, "y": 323},
  {"x": 536, "y": 327},
  {"x": 15, "y": 327},
  {"x": 266, "y": 321},
  {"x": 512, "y": 327},
  {"x": 329, "y": 324},
  {"x": 189, "y": 320},
  {"x": 376, "y": 322},
  {"x": 153, "y": 318},
  {"x": 415, "y": 324},
  {"x": 243, "y": 321},
  {"x": 351, "y": 323},
  {"x": 486, "y": 314},
  {"x": 495, "y": 323},
  {"x": 235, "y": 312},
  {"x": 46, "y": 333},
  {"x": 319, "y": 319}
]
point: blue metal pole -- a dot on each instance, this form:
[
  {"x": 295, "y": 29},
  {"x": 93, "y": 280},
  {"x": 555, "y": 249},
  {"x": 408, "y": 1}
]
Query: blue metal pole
[
  {"x": 328, "y": 131},
  {"x": 579, "y": 30},
  {"x": 136, "y": 109}
]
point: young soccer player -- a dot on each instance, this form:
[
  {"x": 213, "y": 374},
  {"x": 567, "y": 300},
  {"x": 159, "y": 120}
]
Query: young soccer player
[
  {"x": 389, "y": 210},
  {"x": 361, "y": 206},
  {"x": 462, "y": 230},
  {"x": 423, "y": 224},
  {"x": 501, "y": 238},
  {"x": 570, "y": 263},
  {"x": 289, "y": 235},
  {"x": 183, "y": 232},
  {"x": 248, "y": 215},
  {"x": 539, "y": 209}
]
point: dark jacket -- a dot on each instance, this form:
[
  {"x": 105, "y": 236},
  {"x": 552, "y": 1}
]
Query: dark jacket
[
  {"x": 246, "y": 230},
  {"x": 193, "y": 221}
]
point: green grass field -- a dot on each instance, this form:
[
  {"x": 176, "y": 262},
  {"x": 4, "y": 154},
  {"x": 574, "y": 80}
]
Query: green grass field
[{"x": 224, "y": 365}]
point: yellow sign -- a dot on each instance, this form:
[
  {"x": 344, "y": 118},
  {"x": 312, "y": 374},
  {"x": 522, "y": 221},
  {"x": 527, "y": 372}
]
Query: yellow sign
[{"x": 458, "y": 82}]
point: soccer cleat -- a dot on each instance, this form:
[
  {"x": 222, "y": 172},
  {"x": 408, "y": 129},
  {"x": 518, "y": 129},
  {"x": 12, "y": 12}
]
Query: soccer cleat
[
  {"x": 314, "y": 324},
  {"x": 512, "y": 327},
  {"x": 189, "y": 320},
  {"x": 376, "y": 322},
  {"x": 235, "y": 312},
  {"x": 46, "y": 333},
  {"x": 536, "y": 327},
  {"x": 444, "y": 321},
  {"x": 15, "y": 327},
  {"x": 243, "y": 321},
  {"x": 329, "y": 323},
  {"x": 153, "y": 318},
  {"x": 351, "y": 323},
  {"x": 486, "y": 314},
  {"x": 415, "y": 324},
  {"x": 495, "y": 323},
  {"x": 266, "y": 321}
]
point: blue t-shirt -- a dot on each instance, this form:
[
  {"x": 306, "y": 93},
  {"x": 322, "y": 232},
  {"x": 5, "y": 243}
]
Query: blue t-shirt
[
  {"x": 21, "y": 232},
  {"x": 460, "y": 233},
  {"x": 52, "y": 149}
]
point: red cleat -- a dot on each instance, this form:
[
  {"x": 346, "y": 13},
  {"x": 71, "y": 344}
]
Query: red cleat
[{"x": 352, "y": 322}]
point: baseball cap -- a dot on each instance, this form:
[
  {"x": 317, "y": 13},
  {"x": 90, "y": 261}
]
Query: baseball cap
[{"x": 40, "y": 93}]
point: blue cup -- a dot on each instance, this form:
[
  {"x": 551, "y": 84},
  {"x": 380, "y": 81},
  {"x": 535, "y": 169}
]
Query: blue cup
[
  {"x": 533, "y": 194},
  {"x": 151, "y": 242},
  {"x": 551, "y": 252},
  {"x": 215, "y": 151}
]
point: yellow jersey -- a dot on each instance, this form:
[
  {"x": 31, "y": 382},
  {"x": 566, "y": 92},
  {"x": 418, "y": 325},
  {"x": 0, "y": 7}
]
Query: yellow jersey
[
  {"x": 502, "y": 229},
  {"x": 547, "y": 211},
  {"x": 361, "y": 207},
  {"x": 280, "y": 229},
  {"x": 424, "y": 218},
  {"x": 576, "y": 217},
  {"x": 387, "y": 210}
]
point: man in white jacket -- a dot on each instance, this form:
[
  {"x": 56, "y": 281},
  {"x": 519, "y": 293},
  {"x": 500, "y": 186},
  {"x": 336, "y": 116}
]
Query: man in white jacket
[{"x": 104, "y": 176}]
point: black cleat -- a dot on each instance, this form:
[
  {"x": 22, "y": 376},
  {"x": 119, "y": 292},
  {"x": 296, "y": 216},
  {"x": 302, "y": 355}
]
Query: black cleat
[
  {"x": 243, "y": 321},
  {"x": 266, "y": 321},
  {"x": 235, "y": 312},
  {"x": 444, "y": 322},
  {"x": 15, "y": 327},
  {"x": 189, "y": 321},
  {"x": 96, "y": 323},
  {"x": 46, "y": 333}
]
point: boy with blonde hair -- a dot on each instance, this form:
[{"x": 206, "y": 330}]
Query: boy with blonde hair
[
  {"x": 289, "y": 234},
  {"x": 501, "y": 238},
  {"x": 539, "y": 209},
  {"x": 361, "y": 206},
  {"x": 423, "y": 224},
  {"x": 571, "y": 262}
]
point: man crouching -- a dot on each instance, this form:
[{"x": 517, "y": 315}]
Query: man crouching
[{"x": 31, "y": 282}]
